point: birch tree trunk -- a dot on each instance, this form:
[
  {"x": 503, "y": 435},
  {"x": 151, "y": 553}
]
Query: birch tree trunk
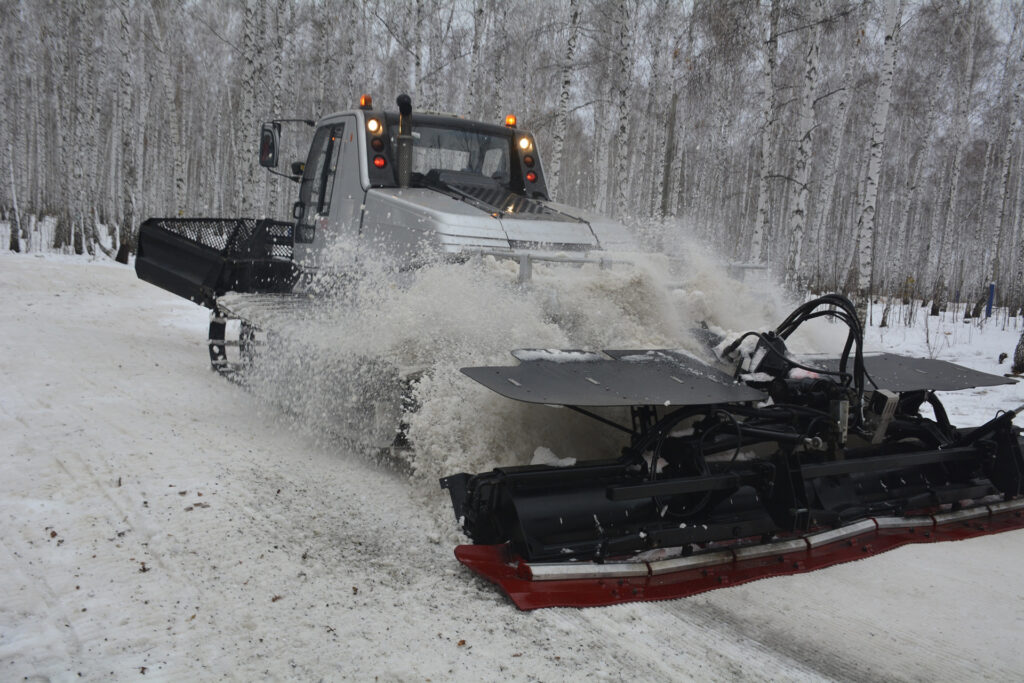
[
  {"x": 141, "y": 123},
  {"x": 670, "y": 151},
  {"x": 7, "y": 89},
  {"x": 63, "y": 75},
  {"x": 805, "y": 146},
  {"x": 93, "y": 158},
  {"x": 959, "y": 138},
  {"x": 770, "y": 34},
  {"x": 277, "y": 40},
  {"x": 14, "y": 244},
  {"x": 476, "y": 58},
  {"x": 1012, "y": 81},
  {"x": 648, "y": 181},
  {"x": 879, "y": 120},
  {"x": 416, "y": 65},
  {"x": 79, "y": 132},
  {"x": 246, "y": 126},
  {"x": 562, "y": 115},
  {"x": 601, "y": 162},
  {"x": 321, "y": 19},
  {"x": 673, "y": 171},
  {"x": 498, "y": 50},
  {"x": 977, "y": 253},
  {"x": 1018, "y": 279},
  {"x": 126, "y": 242},
  {"x": 181, "y": 199},
  {"x": 85, "y": 137},
  {"x": 624, "y": 44}
]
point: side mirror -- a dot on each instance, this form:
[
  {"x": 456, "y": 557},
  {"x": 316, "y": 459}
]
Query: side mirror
[{"x": 270, "y": 142}]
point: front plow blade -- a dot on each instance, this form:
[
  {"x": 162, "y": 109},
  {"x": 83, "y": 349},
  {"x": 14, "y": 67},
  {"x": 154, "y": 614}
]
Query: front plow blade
[{"x": 588, "y": 584}]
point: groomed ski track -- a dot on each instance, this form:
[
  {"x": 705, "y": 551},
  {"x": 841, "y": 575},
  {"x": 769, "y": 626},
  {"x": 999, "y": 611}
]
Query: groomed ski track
[{"x": 156, "y": 520}]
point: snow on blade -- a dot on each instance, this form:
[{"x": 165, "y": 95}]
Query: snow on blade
[
  {"x": 556, "y": 355},
  {"x": 545, "y": 456}
]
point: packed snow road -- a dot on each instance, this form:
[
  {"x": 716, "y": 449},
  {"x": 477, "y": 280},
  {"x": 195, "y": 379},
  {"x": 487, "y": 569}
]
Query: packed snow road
[{"x": 157, "y": 520}]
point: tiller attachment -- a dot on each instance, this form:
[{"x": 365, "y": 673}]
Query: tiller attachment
[{"x": 784, "y": 466}]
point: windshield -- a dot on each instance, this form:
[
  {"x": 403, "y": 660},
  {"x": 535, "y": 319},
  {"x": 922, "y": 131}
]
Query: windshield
[{"x": 456, "y": 157}]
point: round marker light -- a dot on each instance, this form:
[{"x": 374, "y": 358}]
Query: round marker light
[
  {"x": 510, "y": 120},
  {"x": 377, "y": 144},
  {"x": 531, "y": 176},
  {"x": 525, "y": 144},
  {"x": 528, "y": 160},
  {"x": 365, "y": 102},
  {"x": 373, "y": 125},
  {"x": 379, "y": 161}
]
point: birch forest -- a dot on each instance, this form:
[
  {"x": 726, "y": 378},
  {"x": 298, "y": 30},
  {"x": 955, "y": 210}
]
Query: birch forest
[{"x": 869, "y": 147}]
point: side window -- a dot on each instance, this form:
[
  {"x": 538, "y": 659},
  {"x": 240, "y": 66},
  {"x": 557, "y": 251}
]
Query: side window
[
  {"x": 324, "y": 155},
  {"x": 331, "y": 158}
]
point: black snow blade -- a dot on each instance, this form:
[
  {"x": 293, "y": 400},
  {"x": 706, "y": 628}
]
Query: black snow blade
[{"x": 200, "y": 259}]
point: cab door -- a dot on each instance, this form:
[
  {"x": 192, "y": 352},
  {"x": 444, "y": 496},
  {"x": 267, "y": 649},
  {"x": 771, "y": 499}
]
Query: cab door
[
  {"x": 347, "y": 197},
  {"x": 312, "y": 233}
]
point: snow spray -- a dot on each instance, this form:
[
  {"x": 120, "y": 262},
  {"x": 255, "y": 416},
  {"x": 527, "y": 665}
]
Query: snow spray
[{"x": 382, "y": 352}]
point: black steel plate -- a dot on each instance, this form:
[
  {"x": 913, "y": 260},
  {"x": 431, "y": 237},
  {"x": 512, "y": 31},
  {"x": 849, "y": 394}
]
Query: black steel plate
[
  {"x": 628, "y": 378},
  {"x": 902, "y": 373}
]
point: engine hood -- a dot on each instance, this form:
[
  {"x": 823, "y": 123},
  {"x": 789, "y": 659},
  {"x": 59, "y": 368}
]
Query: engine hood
[
  {"x": 428, "y": 213},
  {"x": 477, "y": 218},
  {"x": 468, "y": 220}
]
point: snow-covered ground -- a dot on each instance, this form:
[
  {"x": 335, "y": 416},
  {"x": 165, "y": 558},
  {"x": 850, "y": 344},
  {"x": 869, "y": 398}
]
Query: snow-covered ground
[{"x": 156, "y": 520}]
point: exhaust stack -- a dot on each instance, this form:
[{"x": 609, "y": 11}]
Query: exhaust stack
[{"x": 404, "y": 140}]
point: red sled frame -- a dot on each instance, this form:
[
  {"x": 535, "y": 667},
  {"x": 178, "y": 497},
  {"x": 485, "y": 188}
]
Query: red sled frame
[{"x": 589, "y": 584}]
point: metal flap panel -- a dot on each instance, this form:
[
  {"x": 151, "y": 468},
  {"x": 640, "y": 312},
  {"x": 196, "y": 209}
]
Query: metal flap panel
[
  {"x": 634, "y": 378},
  {"x": 538, "y": 231},
  {"x": 902, "y": 373}
]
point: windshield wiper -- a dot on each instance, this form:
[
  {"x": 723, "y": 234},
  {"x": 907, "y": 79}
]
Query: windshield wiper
[{"x": 438, "y": 184}]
